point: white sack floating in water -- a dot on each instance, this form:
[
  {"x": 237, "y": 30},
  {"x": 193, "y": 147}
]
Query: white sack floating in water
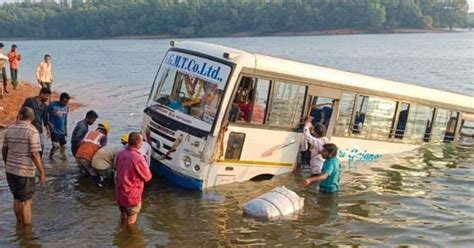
[{"x": 278, "y": 203}]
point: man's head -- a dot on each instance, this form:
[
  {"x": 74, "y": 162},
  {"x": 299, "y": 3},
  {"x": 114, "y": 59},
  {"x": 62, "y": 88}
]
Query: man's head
[
  {"x": 319, "y": 130},
  {"x": 44, "y": 94},
  {"x": 91, "y": 116},
  {"x": 47, "y": 58},
  {"x": 1, "y": 45},
  {"x": 135, "y": 140},
  {"x": 329, "y": 151},
  {"x": 14, "y": 47},
  {"x": 26, "y": 114},
  {"x": 64, "y": 98}
]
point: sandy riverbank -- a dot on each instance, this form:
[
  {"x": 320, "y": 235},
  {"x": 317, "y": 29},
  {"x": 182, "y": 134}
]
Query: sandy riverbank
[{"x": 11, "y": 102}]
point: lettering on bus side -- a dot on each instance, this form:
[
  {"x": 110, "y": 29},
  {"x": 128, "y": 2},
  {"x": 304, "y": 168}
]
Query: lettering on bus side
[
  {"x": 356, "y": 155},
  {"x": 195, "y": 66}
]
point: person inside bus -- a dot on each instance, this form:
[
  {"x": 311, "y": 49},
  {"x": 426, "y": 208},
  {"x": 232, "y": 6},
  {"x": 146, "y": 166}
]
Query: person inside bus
[
  {"x": 359, "y": 122},
  {"x": 402, "y": 123},
  {"x": 322, "y": 113}
]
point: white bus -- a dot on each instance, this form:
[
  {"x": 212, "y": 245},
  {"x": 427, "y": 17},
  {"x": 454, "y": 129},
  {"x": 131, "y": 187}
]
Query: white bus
[{"x": 217, "y": 115}]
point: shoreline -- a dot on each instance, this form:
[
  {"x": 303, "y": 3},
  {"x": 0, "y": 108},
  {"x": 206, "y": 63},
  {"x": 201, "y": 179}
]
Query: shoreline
[
  {"x": 10, "y": 103},
  {"x": 330, "y": 32}
]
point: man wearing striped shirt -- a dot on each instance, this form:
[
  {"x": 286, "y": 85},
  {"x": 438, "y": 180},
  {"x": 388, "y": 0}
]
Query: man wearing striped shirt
[{"x": 21, "y": 154}]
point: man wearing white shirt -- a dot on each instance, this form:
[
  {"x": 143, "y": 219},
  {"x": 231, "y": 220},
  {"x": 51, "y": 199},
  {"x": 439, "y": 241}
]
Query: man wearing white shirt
[{"x": 43, "y": 72}]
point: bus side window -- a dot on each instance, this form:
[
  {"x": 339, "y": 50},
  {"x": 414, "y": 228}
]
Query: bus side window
[
  {"x": 234, "y": 145},
  {"x": 466, "y": 133},
  {"x": 250, "y": 101},
  {"x": 361, "y": 111},
  {"x": 419, "y": 123}
]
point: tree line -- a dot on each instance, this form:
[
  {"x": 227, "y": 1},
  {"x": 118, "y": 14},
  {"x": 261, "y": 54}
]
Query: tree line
[{"x": 202, "y": 18}]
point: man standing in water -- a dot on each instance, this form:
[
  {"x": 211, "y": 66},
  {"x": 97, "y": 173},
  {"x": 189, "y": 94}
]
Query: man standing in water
[
  {"x": 43, "y": 72},
  {"x": 57, "y": 122},
  {"x": 39, "y": 106},
  {"x": 14, "y": 59},
  {"x": 20, "y": 151},
  {"x": 132, "y": 173}
]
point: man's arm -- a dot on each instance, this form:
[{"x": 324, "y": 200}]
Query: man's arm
[
  {"x": 143, "y": 169},
  {"x": 5, "y": 153},
  {"x": 36, "y": 157},
  {"x": 38, "y": 69},
  {"x": 35, "y": 148},
  {"x": 314, "y": 179}
]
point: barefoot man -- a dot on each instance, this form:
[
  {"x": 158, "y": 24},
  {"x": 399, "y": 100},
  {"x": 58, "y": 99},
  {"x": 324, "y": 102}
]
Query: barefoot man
[{"x": 21, "y": 154}]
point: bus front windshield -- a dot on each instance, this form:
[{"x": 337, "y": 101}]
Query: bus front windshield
[{"x": 192, "y": 87}]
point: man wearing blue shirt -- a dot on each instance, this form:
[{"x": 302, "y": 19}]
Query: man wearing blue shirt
[
  {"x": 330, "y": 175},
  {"x": 57, "y": 122}
]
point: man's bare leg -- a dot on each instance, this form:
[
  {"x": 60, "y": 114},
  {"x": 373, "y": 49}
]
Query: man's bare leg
[
  {"x": 17, "y": 210},
  {"x": 26, "y": 211},
  {"x": 132, "y": 219},
  {"x": 123, "y": 217}
]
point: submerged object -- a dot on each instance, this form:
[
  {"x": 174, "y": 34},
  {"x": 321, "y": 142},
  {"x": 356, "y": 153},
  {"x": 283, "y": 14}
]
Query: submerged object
[{"x": 278, "y": 203}]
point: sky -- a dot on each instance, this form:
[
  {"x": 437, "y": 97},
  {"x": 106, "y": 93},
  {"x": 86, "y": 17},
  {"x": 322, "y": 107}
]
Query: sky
[{"x": 470, "y": 2}]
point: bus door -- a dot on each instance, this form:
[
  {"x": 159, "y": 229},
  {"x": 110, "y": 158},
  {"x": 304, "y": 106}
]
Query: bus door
[
  {"x": 264, "y": 121},
  {"x": 324, "y": 106}
]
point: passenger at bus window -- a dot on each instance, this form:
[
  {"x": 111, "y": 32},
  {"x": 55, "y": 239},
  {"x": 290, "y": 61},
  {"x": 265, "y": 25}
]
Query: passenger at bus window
[
  {"x": 401, "y": 125},
  {"x": 450, "y": 129},
  {"x": 322, "y": 113},
  {"x": 358, "y": 123},
  {"x": 234, "y": 113}
]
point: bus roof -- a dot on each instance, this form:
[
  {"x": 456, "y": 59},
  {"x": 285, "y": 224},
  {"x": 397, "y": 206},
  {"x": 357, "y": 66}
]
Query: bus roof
[{"x": 333, "y": 77}]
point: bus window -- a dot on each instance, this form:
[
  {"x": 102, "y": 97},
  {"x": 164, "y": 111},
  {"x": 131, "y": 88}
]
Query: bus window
[
  {"x": 444, "y": 126},
  {"x": 451, "y": 127},
  {"x": 287, "y": 105},
  {"x": 374, "y": 117},
  {"x": 418, "y": 126},
  {"x": 345, "y": 114},
  {"x": 250, "y": 101},
  {"x": 321, "y": 110},
  {"x": 234, "y": 145},
  {"x": 402, "y": 120},
  {"x": 466, "y": 133},
  {"x": 361, "y": 111}
]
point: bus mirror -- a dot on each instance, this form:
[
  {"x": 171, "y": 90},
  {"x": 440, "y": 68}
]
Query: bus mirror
[{"x": 172, "y": 43}]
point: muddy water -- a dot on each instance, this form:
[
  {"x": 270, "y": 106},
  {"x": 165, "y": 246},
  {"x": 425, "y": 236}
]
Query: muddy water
[{"x": 422, "y": 198}]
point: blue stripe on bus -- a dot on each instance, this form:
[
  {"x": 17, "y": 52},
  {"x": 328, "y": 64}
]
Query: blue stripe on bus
[{"x": 174, "y": 177}]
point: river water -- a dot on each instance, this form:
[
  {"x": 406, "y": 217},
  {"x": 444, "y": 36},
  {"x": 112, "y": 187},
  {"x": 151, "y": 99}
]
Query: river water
[{"x": 422, "y": 198}]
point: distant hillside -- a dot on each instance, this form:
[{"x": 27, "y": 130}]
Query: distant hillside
[{"x": 201, "y": 18}]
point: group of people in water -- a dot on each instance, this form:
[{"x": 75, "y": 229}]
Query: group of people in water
[
  {"x": 40, "y": 118},
  {"x": 23, "y": 148}
]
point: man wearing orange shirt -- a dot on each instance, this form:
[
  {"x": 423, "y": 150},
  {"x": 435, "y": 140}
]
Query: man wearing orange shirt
[{"x": 14, "y": 58}]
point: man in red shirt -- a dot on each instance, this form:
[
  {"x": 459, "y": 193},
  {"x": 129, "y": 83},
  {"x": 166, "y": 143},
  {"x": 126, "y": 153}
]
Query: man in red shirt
[
  {"x": 14, "y": 58},
  {"x": 132, "y": 173}
]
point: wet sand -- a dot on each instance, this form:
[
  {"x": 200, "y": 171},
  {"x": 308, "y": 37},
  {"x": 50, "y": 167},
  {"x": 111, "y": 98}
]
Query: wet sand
[{"x": 11, "y": 102}]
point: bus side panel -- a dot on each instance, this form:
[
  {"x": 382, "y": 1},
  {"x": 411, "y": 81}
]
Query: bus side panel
[{"x": 360, "y": 150}]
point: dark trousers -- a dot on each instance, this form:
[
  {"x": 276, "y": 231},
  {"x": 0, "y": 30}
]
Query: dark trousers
[
  {"x": 46, "y": 84},
  {"x": 14, "y": 76},
  {"x": 4, "y": 78}
]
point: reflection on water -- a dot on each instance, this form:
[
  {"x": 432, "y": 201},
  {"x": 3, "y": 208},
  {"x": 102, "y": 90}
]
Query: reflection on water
[{"x": 422, "y": 198}]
